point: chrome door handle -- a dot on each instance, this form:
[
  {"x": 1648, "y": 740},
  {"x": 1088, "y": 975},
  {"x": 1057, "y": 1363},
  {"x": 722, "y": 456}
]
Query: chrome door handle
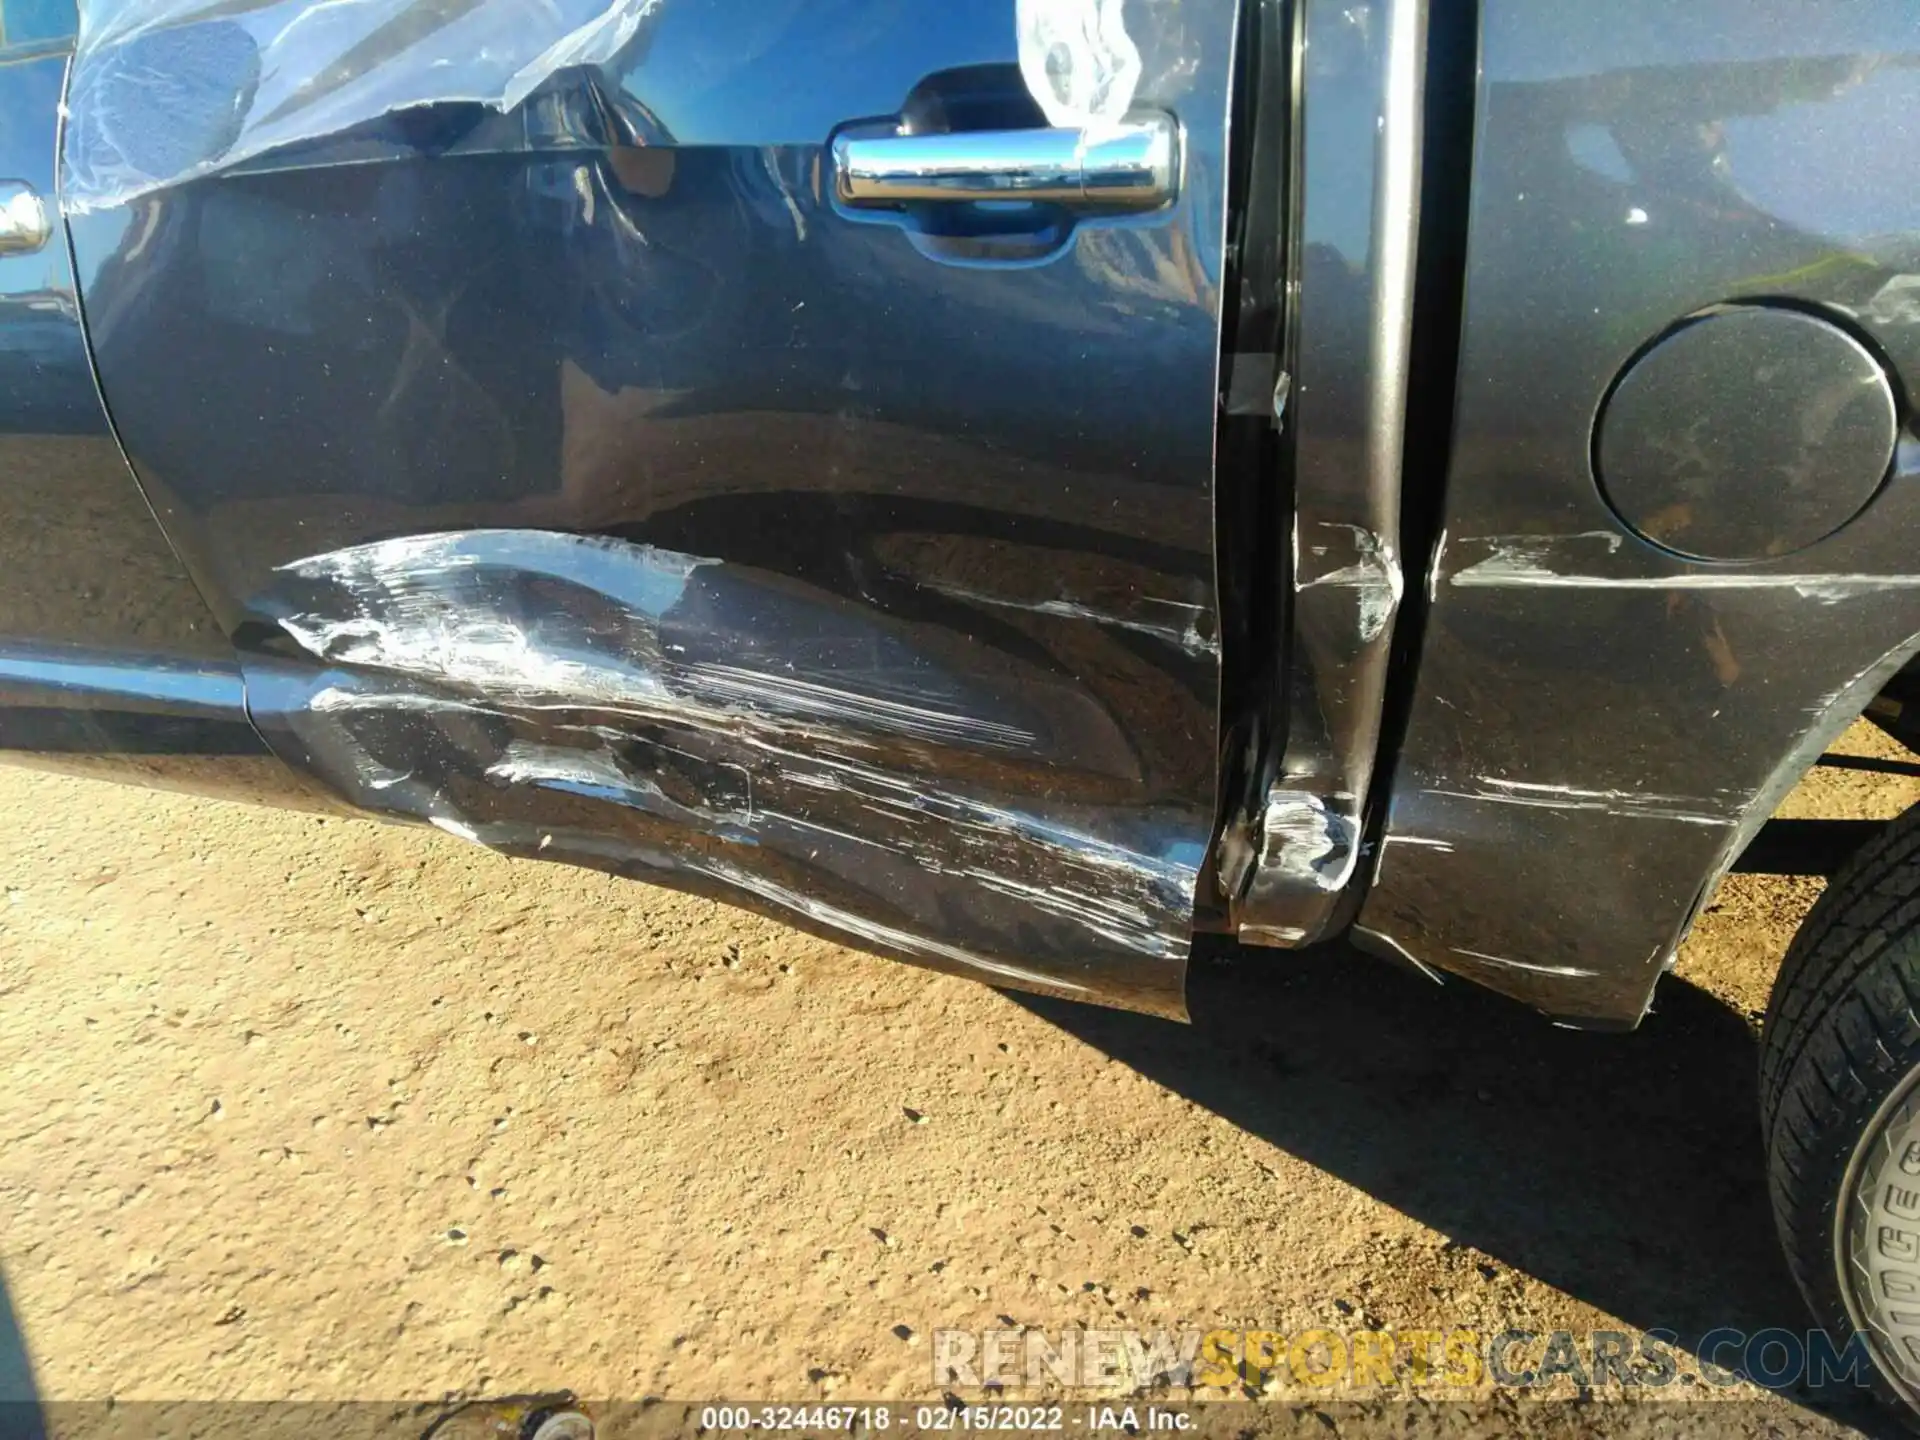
[
  {"x": 24, "y": 226},
  {"x": 1130, "y": 167}
]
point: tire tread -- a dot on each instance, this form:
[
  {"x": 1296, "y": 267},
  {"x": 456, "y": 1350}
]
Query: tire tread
[{"x": 1842, "y": 1030}]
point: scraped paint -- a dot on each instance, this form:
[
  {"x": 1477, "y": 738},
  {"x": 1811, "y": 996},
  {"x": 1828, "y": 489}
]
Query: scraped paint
[
  {"x": 1568, "y": 972},
  {"x": 1309, "y": 838},
  {"x": 1372, "y": 573},
  {"x": 543, "y": 617},
  {"x": 1631, "y": 804},
  {"x": 592, "y": 700},
  {"x": 1564, "y": 562},
  {"x": 1187, "y": 636}
]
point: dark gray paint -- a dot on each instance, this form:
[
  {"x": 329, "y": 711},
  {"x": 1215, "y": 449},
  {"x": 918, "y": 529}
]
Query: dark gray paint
[
  {"x": 1599, "y": 724},
  {"x": 1358, "y": 118},
  {"x": 110, "y": 664},
  {"x": 1747, "y": 433},
  {"x": 894, "y": 605},
  {"x": 84, "y": 562},
  {"x": 889, "y": 600}
]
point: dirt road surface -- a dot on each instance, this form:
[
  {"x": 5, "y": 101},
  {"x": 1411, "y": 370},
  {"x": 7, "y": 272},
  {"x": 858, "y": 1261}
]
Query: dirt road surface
[{"x": 315, "y": 1108}]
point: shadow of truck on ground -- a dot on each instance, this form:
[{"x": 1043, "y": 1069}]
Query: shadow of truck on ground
[{"x": 1624, "y": 1170}]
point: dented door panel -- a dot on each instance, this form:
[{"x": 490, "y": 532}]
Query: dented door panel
[
  {"x": 575, "y": 475},
  {"x": 1357, "y": 212}
]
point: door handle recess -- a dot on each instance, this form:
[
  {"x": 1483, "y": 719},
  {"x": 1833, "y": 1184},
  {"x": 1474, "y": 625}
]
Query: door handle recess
[{"x": 1129, "y": 167}]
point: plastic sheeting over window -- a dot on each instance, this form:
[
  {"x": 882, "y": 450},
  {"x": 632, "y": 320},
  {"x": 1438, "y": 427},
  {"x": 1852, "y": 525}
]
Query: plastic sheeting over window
[{"x": 165, "y": 90}]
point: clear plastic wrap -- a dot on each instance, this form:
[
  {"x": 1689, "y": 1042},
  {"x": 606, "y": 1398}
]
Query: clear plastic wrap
[
  {"x": 1079, "y": 62},
  {"x": 167, "y": 90}
]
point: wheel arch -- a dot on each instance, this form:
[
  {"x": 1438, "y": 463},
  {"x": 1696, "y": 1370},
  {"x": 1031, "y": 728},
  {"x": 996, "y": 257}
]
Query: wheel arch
[{"x": 1844, "y": 709}]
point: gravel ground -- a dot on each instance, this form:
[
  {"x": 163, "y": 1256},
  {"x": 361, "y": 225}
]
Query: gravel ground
[{"x": 314, "y": 1108}]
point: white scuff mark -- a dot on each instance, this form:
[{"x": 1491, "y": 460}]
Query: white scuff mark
[
  {"x": 1086, "y": 849},
  {"x": 421, "y": 605},
  {"x": 1126, "y": 896},
  {"x": 1080, "y": 64},
  {"x": 1433, "y": 567},
  {"x": 790, "y": 695},
  {"x": 973, "y": 820},
  {"x": 1187, "y": 637},
  {"x": 1305, "y": 840},
  {"x": 1895, "y": 303},
  {"x": 1130, "y": 899},
  {"x": 781, "y": 817},
  {"x": 1399, "y": 952},
  {"x": 1832, "y": 589},
  {"x": 542, "y": 619},
  {"x": 338, "y": 699},
  {"x": 644, "y": 576},
  {"x": 1373, "y": 575},
  {"x": 875, "y": 932},
  {"x": 1106, "y": 916},
  {"x": 1827, "y": 589},
  {"x": 1529, "y": 561},
  {"x": 526, "y": 763},
  {"x": 474, "y": 653},
  {"x": 1236, "y": 855},
  {"x": 1574, "y": 792},
  {"x": 1626, "y": 804},
  {"x": 537, "y": 628},
  {"x": 1569, "y": 972},
  {"x": 770, "y": 165},
  {"x": 597, "y": 774},
  {"x": 1422, "y": 841},
  {"x": 1530, "y": 555}
]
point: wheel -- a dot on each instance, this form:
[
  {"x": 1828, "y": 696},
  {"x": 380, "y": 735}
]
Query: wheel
[{"x": 1840, "y": 1106}]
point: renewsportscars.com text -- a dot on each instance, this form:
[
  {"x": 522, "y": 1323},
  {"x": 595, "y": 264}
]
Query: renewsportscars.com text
[{"x": 1458, "y": 1360}]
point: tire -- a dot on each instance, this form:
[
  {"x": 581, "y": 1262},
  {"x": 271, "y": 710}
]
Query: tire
[{"x": 1840, "y": 1106}]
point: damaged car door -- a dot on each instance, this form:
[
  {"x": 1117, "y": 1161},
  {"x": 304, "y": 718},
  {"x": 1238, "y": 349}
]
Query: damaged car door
[{"x": 763, "y": 447}]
